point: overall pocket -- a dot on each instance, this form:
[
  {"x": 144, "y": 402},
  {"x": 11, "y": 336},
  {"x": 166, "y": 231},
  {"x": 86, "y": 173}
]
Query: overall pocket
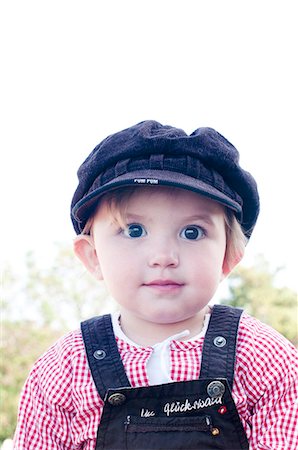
[
  {"x": 135, "y": 424},
  {"x": 160, "y": 433}
]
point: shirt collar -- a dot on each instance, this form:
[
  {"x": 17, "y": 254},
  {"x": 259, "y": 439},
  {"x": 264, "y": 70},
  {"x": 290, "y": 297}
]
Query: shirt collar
[{"x": 175, "y": 339}]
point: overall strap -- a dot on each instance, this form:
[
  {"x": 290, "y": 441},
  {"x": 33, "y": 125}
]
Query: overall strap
[
  {"x": 219, "y": 349},
  {"x": 102, "y": 353}
]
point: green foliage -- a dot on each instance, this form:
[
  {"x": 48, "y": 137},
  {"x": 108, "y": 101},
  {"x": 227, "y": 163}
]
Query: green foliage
[
  {"x": 254, "y": 289},
  {"x": 22, "y": 343}
]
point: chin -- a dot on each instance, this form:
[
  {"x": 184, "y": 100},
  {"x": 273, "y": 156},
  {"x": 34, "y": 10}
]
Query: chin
[{"x": 169, "y": 318}]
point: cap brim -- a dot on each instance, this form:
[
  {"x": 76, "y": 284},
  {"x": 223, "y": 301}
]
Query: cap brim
[{"x": 81, "y": 210}]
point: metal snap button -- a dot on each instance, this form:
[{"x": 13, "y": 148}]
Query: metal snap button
[
  {"x": 99, "y": 354},
  {"x": 215, "y": 431},
  {"x": 219, "y": 341},
  {"x": 216, "y": 389},
  {"x": 116, "y": 399}
]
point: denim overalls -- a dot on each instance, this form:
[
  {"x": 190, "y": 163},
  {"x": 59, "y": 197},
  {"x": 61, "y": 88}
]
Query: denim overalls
[{"x": 198, "y": 414}]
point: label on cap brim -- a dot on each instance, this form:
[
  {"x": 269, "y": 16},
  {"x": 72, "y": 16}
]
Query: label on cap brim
[{"x": 146, "y": 180}]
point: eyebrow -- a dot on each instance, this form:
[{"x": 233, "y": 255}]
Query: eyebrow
[
  {"x": 133, "y": 216},
  {"x": 207, "y": 218}
]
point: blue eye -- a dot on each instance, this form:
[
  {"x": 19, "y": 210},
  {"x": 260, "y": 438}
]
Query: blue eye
[
  {"x": 192, "y": 232},
  {"x": 135, "y": 230}
]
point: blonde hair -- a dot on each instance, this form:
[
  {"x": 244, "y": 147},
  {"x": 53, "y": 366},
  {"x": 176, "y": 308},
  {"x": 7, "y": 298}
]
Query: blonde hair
[
  {"x": 235, "y": 240},
  {"x": 116, "y": 202}
]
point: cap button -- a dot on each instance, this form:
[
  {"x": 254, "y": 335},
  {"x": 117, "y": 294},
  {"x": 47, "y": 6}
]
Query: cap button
[
  {"x": 99, "y": 354},
  {"x": 116, "y": 399},
  {"x": 219, "y": 341},
  {"x": 215, "y": 389}
]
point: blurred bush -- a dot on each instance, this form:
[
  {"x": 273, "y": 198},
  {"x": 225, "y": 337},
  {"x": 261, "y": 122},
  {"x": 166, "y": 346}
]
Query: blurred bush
[{"x": 255, "y": 289}]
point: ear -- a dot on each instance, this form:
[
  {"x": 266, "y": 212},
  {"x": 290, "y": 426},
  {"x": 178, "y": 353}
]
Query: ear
[
  {"x": 85, "y": 250},
  {"x": 229, "y": 264}
]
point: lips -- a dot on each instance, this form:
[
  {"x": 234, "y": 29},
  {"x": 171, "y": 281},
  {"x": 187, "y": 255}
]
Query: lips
[{"x": 164, "y": 285}]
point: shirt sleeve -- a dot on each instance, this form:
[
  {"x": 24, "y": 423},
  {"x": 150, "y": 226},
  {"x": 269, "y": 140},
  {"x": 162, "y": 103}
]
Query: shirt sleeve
[
  {"x": 45, "y": 409},
  {"x": 269, "y": 372}
]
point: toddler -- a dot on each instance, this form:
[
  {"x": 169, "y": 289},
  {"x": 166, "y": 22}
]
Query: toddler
[{"x": 162, "y": 217}]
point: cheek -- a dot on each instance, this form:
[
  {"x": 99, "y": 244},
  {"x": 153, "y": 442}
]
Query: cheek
[
  {"x": 117, "y": 265},
  {"x": 207, "y": 262}
]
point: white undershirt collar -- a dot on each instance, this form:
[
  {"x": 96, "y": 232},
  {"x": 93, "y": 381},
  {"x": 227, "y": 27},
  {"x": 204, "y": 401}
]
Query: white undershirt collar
[{"x": 159, "y": 364}]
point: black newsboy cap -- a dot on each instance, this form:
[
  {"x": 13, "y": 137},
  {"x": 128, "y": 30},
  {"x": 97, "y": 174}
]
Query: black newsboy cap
[{"x": 153, "y": 154}]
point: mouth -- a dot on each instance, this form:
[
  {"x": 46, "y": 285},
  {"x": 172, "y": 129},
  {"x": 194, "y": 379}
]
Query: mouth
[{"x": 164, "y": 285}]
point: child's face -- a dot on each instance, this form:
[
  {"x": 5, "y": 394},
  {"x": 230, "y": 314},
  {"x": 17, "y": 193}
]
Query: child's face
[{"x": 165, "y": 266}]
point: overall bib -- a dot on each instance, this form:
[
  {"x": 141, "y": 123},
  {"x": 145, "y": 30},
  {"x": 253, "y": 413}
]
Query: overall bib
[{"x": 198, "y": 414}]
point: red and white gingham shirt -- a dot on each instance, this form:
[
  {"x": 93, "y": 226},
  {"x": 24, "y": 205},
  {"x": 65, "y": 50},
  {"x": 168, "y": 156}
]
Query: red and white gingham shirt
[{"x": 61, "y": 409}]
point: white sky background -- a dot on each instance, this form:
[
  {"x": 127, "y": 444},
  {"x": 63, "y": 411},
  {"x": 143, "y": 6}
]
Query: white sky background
[{"x": 75, "y": 71}]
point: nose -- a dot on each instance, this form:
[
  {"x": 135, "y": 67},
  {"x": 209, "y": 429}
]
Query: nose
[{"x": 163, "y": 255}]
